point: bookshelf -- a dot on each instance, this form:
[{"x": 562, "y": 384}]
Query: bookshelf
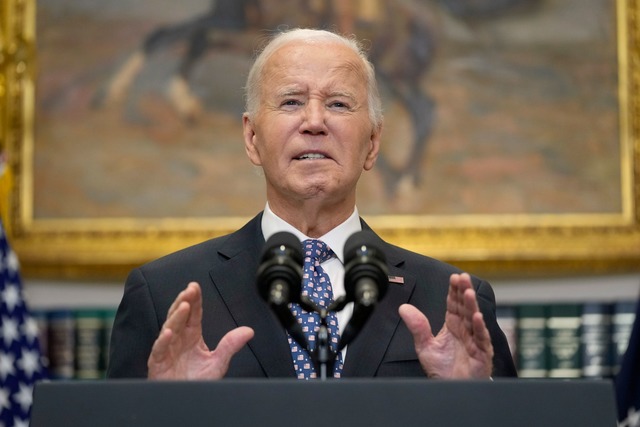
[
  {"x": 571, "y": 328},
  {"x": 90, "y": 303}
]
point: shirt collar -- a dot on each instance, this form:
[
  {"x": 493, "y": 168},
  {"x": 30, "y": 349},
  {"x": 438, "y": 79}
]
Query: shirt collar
[{"x": 335, "y": 238}]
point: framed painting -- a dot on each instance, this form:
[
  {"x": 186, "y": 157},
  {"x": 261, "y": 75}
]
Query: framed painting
[{"x": 511, "y": 142}]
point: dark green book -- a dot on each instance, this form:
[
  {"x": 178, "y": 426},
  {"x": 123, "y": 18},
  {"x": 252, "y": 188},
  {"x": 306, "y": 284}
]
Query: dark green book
[
  {"x": 532, "y": 360},
  {"x": 563, "y": 335}
]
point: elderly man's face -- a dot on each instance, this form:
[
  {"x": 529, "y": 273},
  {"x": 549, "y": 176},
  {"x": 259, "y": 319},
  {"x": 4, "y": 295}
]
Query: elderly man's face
[{"x": 312, "y": 133}]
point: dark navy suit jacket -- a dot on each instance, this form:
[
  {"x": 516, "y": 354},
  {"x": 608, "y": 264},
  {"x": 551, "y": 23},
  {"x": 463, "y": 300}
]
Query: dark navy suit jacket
[{"x": 226, "y": 268}]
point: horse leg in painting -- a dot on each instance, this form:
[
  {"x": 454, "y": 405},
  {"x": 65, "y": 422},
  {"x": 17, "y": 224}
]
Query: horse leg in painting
[
  {"x": 403, "y": 57},
  {"x": 222, "y": 29},
  {"x": 229, "y": 15}
]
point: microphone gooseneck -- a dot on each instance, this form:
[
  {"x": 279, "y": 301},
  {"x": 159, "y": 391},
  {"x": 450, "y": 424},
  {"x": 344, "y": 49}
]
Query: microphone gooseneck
[
  {"x": 279, "y": 279},
  {"x": 365, "y": 280}
]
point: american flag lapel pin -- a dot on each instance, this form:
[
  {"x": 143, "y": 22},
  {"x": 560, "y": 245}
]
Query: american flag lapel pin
[{"x": 396, "y": 279}]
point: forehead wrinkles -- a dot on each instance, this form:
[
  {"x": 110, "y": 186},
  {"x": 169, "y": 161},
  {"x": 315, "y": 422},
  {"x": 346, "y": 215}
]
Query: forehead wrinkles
[
  {"x": 354, "y": 68},
  {"x": 355, "y": 71},
  {"x": 345, "y": 79}
]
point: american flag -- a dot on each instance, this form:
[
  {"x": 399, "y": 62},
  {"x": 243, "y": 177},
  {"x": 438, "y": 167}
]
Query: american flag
[{"x": 21, "y": 362}]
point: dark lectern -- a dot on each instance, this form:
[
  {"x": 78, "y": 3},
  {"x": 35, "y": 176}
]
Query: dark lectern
[{"x": 346, "y": 402}]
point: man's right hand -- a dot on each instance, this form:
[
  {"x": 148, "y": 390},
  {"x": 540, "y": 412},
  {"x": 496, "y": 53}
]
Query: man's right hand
[{"x": 180, "y": 353}]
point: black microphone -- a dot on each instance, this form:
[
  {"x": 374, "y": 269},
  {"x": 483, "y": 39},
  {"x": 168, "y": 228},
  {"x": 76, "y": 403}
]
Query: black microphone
[
  {"x": 366, "y": 279},
  {"x": 279, "y": 279}
]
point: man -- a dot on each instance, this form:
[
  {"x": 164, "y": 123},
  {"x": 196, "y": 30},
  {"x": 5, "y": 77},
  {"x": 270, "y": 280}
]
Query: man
[{"x": 313, "y": 123}]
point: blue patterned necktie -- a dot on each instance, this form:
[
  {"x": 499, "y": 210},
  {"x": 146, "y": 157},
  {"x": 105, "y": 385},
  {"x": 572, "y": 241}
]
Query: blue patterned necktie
[{"x": 317, "y": 287}]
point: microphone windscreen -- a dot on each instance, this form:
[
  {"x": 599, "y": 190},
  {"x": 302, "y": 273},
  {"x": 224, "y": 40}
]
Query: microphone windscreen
[
  {"x": 279, "y": 279},
  {"x": 364, "y": 262},
  {"x": 284, "y": 242},
  {"x": 359, "y": 240}
]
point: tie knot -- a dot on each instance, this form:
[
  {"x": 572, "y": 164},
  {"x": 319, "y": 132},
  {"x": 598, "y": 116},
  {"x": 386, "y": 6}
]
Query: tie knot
[{"x": 317, "y": 250}]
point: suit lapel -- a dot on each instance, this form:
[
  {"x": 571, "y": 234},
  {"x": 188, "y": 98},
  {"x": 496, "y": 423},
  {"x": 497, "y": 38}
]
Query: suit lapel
[
  {"x": 365, "y": 353},
  {"x": 234, "y": 277}
]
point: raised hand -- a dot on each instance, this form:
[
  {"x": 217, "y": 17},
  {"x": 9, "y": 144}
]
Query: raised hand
[
  {"x": 462, "y": 348},
  {"x": 180, "y": 353}
]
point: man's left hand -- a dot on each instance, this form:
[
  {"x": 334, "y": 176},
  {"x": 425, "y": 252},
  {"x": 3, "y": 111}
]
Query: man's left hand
[{"x": 462, "y": 348}]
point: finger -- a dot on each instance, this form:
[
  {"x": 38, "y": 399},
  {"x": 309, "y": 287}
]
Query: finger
[
  {"x": 470, "y": 302},
  {"x": 184, "y": 295},
  {"x": 230, "y": 344},
  {"x": 160, "y": 357},
  {"x": 178, "y": 319},
  {"x": 418, "y": 325},
  {"x": 458, "y": 283},
  {"x": 481, "y": 334},
  {"x": 469, "y": 308},
  {"x": 464, "y": 282},
  {"x": 160, "y": 349},
  {"x": 194, "y": 297},
  {"x": 452, "y": 304},
  {"x": 170, "y": 332}
]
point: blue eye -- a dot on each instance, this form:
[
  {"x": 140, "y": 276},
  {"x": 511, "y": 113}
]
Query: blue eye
[{"x": 338, "y": 105}]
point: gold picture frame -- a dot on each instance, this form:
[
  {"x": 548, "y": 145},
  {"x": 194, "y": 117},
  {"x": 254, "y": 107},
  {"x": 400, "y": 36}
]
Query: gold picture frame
[{"x": 492, "y": 245}]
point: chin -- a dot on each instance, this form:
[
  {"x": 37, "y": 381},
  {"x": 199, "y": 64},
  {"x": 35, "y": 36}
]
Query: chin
[{"x": 308, "y": 190}]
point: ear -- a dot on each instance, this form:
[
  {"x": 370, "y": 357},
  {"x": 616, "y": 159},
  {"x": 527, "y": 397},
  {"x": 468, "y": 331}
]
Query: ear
[
  {"x": 249, "y": 134},
  {"x": 374, "y": 147}
]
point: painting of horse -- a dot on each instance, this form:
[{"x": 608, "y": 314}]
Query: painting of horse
[{"x": 145, "y": 122}]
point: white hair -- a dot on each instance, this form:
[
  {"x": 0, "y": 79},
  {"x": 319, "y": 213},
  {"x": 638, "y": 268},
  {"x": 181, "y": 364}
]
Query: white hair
[{"x": 254, "y": 80}]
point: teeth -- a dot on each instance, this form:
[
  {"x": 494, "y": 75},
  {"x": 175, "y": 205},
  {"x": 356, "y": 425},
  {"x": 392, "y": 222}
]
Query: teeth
[{"x": 311, "y": 156}]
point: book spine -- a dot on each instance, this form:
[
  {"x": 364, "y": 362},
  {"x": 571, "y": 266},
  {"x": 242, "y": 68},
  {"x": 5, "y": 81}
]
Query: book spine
[
  {"x": 563, "y": 334},
  {"x": 595, "y": 340},
  {"x": 41, "y": 317},
  {"x": 88, "y": 349},
  {"x": 61, "y": 344},
  {"x": 531, "y": 344}
]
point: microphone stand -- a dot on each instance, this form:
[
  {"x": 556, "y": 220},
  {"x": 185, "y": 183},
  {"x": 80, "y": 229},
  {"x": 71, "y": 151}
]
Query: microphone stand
[{"x": 323, "y": 356}]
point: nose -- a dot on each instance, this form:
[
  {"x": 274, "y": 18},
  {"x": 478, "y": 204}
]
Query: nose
[{"x": 313, "y": 118}]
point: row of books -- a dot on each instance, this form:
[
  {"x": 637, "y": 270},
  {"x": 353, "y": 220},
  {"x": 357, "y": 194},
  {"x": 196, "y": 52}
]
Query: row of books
[
  {"x": 75, "y": 342},
  {"x": 572, "y": 340},
  {"x": 568, "y": 340}
]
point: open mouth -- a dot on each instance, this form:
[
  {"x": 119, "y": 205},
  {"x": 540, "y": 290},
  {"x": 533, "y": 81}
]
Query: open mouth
[{"x": 312, "y": 156}]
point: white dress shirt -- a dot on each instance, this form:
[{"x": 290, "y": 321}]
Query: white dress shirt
[{"x": 335, "y": 239}]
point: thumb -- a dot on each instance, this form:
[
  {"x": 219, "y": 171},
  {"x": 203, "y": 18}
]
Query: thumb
[
  {"x": 418, "y": 325},
  {"x": 230, "y": 344}
]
